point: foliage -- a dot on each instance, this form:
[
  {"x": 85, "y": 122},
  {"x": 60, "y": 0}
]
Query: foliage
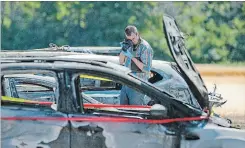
[
  {"x": 217, "y": 33},
  {"x": 215, "y": 29}
]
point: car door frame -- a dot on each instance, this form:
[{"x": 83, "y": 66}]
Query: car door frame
[
  {"x": 88, "y": 128},
  {"x": 25, "y": 115}
]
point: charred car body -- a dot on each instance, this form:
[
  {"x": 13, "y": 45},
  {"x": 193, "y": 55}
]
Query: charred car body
[
  {"x": 69, "y": 106},
  {"x": 66, "y": 120}
]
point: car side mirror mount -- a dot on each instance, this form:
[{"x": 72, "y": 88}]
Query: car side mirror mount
[{"x": 158, "y": 111}]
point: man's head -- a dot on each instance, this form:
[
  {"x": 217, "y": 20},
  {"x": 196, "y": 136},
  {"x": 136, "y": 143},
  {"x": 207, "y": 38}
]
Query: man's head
[{"x": 132, "y": 34}]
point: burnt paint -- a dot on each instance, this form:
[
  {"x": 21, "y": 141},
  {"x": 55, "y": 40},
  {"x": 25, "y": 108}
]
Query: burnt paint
[
  {"x": 120, "y": 135},
  {"x": 33, "y": 133}
]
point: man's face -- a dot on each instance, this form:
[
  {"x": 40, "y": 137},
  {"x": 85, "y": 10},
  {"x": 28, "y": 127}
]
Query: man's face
[{"x": 133, "y": 37}]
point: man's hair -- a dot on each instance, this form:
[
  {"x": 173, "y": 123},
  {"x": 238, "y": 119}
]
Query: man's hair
[{"x": 130, "y": 29}]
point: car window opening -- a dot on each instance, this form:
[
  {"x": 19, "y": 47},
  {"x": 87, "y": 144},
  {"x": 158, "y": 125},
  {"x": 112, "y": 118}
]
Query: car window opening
[
  {"x": 101, "y": 90},
  {"x": 29, "y": 89}
]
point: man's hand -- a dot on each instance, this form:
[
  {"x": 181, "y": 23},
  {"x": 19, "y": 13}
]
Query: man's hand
[{"x": 127, "y": 54}]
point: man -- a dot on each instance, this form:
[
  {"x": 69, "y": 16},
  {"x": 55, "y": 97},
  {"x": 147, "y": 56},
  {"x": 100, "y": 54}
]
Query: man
[{"x": 139, "y": 59}]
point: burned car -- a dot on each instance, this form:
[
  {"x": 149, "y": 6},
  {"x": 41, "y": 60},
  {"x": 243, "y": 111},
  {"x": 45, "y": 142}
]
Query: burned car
[
  {"x": 67, "y": 121},
  {"x": 97, "y": 90},
  {"x": 90, "y": 126}
]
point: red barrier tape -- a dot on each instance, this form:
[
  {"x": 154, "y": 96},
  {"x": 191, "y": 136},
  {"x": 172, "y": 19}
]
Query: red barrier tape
[{"x": 108, "y": 119}]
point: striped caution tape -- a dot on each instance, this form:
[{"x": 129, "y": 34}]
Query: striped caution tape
[
  {"x": 93, "y": 77},
  {"x": 21, "y": 100}
]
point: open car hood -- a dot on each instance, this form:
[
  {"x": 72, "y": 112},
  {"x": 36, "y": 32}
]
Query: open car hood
[{"x": 181, "y": 56}]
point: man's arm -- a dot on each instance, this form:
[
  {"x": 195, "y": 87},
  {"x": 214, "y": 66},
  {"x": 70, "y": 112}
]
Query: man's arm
[
  {"x": 121, "y": 58},
  {"x": 138, "y": 63},
  {"x": 146, "y": 59}
]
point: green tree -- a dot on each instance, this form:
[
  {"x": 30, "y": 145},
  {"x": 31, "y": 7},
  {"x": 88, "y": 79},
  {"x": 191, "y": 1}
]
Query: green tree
[{"x": 215, "y": 30}]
